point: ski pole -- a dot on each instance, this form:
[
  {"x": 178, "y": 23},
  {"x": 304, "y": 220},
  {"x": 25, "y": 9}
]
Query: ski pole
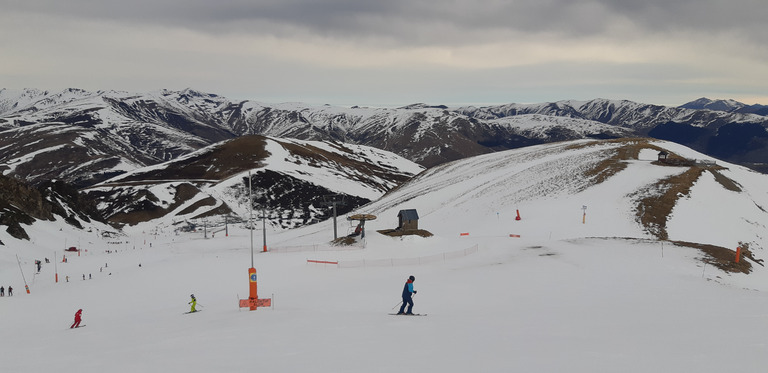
[{"x": 401, "y": 302}]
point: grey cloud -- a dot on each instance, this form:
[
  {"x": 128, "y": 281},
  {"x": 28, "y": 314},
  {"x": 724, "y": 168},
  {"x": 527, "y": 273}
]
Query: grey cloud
[
  {"x": 418, "y": 21},
  {"x": 717, "y": 15}
]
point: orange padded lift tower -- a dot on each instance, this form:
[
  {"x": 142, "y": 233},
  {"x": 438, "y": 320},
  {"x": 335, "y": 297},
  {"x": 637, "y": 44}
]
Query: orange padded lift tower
[
  {"x": 253, "y": 295},
  {"x": 253, "y": 302}
]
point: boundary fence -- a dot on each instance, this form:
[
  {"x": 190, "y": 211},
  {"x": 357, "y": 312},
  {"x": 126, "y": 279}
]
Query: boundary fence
[
  {"x": 314, "y": 247},
  {"x": 405, "y": 261}
]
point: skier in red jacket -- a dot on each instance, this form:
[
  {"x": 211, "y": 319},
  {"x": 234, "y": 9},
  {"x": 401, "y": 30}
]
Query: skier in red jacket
[{"x": 78, "y": 315}]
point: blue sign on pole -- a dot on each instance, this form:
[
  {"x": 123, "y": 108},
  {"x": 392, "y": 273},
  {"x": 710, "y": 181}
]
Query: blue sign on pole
[{"x": 253, "y": 277}]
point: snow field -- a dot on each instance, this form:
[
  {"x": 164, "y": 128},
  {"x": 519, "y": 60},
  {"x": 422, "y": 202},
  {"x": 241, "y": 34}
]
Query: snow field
[
  {"x": 566, "y": 296},
  {"x": 580, "y": 305}
]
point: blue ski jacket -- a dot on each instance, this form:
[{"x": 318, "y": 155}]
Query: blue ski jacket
[{"x": 408, "y": 289}]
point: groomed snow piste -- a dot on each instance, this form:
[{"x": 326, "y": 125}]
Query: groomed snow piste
[{"x": 574, "y": 293}]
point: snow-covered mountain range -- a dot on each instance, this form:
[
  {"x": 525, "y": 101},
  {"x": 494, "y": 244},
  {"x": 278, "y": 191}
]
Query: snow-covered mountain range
[
  {"x": 157, "y": 155},
  {"x": 731, "y": 106},
  {"x": 87, "y": 137}
]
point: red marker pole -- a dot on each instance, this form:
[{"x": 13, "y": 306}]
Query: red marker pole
[
  {"x": 253, "y": 296},
  {"x": 738, "y": 254},
  {"x": 22, "y": 273}
]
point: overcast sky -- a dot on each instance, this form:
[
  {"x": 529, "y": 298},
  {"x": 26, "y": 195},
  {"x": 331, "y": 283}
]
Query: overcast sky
[{"x": 393, "y": 52}]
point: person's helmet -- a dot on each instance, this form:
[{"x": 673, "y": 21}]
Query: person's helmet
[
  {"x": 412, "y": 278},
  {"x": 192, "y": 295}
]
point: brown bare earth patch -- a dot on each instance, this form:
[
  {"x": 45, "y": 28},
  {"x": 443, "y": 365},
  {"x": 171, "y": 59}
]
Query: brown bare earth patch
[
  {"x": 654, "y": 207},
  {"x": 616, "y": 159},
  {"x": 409, "y": 232},
  {"x": 678, "y": 161},
  {"x": 184, "y": 192},
  {"x": 624, "y": 140},
  {"x": 653, "y": 210},
  {"x": 344, "y": 241},
  {"x": 219, "y": 211},
  {"x": 234, "y": 156},
  {"x": 725, "y": 181},
  {"x": 315, "y": 157},
  {"x": 656, "y": 203},
  {"x": 723, "y": 258},
  {"x": 351, "y": 240},
  {"x": 718, "y": 256},
  {"x": 208, "y": 201}
]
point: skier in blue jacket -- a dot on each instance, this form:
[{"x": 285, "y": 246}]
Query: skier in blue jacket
[{"x": 407, "y": 297}]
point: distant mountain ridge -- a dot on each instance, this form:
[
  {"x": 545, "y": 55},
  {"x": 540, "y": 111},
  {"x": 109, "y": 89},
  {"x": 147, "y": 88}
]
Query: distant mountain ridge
[
  {"x": 622, "y": 113},
  {"x": 88, "y": 137},
  {"x": 168, "y": 155},
  {"x": 730, "y": 106}
]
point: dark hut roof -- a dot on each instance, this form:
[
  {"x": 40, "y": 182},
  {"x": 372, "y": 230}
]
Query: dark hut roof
[{"x": 410, "y": 214}]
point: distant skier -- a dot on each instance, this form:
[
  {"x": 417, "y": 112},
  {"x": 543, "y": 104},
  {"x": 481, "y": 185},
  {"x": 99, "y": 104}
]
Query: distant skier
[
  {"x": 407, "y": 297},
  {"x": 193, "y": 302},
  {"x": 10, "y": 290},
  {"x": 78, "y": 318},
  {"x": 2, "y": 291}
]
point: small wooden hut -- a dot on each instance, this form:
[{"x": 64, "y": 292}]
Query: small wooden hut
[{"x": 408, "y": 220}]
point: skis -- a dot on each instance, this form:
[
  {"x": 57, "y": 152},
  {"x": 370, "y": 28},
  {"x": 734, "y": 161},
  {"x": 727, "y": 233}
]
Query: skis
[
  {"x": 405, "y": 314},
  {"x": 79, "y": 326},
  {"x": 195, "y": 311}
]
